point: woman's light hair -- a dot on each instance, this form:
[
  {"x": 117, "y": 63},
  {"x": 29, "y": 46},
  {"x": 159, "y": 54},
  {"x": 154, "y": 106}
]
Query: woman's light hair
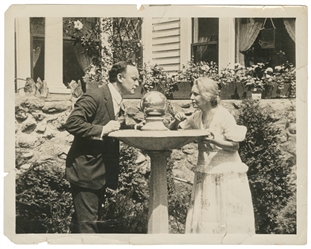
[{"x": 209, "y": 89}]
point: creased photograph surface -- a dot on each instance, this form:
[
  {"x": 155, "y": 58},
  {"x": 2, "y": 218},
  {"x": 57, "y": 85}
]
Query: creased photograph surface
[{"x": 178, "y": 124}]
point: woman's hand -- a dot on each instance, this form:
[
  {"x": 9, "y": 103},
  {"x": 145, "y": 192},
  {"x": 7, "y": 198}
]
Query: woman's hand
[
  {"x": 216, "y": 140},
  {"x": 179, "y": 117},
  {"x": 209, "y": 138}
]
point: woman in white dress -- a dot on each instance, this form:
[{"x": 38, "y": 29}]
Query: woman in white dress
[{"x": 221, "y": 199}]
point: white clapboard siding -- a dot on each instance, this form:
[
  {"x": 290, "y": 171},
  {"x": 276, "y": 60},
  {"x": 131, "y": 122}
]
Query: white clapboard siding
[
  {"x": 165, "y": 54},
  {"x": 168, "y": 60},
  {"x": 165, "y": 47},
  {"x": 165, "y": 33},
  {"x": 166, "y": 40},
  {"x": 165, "y": 26},
  {"x": 161, "y": 20},
  {"x": 166, "y": 43}
]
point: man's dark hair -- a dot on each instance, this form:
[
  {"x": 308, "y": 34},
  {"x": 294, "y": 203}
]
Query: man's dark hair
[{"x": 119, "y": 67}]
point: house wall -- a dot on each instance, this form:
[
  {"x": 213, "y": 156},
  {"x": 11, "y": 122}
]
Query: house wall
[
  {"x": 169, "y": 42},
  {"x": 166, "y": 43}
]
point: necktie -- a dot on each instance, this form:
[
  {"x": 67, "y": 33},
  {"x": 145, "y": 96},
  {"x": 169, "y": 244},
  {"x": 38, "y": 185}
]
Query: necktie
[
  {"x": 122, "y": 109},
  {"x": 120, "y": 117}
]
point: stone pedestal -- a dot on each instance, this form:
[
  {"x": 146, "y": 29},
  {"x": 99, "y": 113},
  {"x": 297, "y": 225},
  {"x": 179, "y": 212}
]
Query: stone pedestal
[{"x": 158, "y": 211}]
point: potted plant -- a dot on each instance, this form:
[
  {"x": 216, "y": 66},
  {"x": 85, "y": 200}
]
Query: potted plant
[
  {"x": 153, "y": 77},
  {"x": 285, "y": 75},
  {"x": 193, "y": 70},
  {"x": 261, "y": 81},
  {"x": 241, "y": 78},
  {"x": 254, "y": 79}
]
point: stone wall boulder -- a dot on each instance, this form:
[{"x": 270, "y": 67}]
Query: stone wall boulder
[
  {"x": 56, "y": 107},
  {"x": 32, "y": 103},
  {"x": 29, "y": 125},
  {"x": 41, "y": 137},
  {"x": 20, "y": 114}
]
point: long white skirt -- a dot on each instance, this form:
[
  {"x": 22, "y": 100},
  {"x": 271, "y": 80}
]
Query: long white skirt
[{"x": 221, "y": 204}]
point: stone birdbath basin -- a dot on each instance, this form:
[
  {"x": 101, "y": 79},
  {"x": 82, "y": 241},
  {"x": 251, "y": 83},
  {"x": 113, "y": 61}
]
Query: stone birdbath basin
[
  {"x": 157, "y": 141},
  {"x": 157, "y": 144}
]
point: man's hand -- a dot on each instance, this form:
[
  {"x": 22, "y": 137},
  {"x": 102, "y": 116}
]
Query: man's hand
[
  {"x": 140, "y": 125},
  {"x": 111, "y": 126}
]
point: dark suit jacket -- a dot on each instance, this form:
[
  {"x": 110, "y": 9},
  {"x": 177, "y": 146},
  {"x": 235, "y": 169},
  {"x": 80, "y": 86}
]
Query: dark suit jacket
[{"x": 92, "y": 163}]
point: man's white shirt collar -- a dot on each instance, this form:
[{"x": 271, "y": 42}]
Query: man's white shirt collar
[
  {"x": 116, "y": 98},
  {"x": 115, "y": 94}
]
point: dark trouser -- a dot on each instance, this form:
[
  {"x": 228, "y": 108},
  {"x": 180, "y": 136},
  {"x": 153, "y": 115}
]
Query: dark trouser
[{"x": 87, "y": 205}]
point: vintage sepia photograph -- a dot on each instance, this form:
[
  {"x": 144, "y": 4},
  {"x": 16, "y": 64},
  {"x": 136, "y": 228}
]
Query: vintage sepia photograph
[{"x": 167, "y": 124}]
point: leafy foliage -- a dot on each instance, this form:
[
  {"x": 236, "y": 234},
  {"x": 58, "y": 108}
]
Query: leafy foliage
[
  {"x": 43, "y": 200},
  {"x": 269, "y": 173},
  {"x": 179, "y": 195},
  {"x": 193, "y": 70},
  {"x": 155, "y": 78},
  {"x": 126, "y": 209},
  {"x": 260, "y": 77},
  {"x": 124, "y": 38},
  {"x": 123, "y": 42},
  {"x": 286, "y": 220},
  {"x": 85, "y": 32}
]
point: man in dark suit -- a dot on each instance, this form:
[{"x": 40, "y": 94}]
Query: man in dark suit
[{"x": 93, "y": 160}]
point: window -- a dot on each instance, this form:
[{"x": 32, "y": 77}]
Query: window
[
  {"x": 76, "y": 59},
  {"x": 124, "y": 37},
  {"x": 205, "y": 39},
  {"x": 37, "y": 37},
  {"x": 266, "y": 40}
]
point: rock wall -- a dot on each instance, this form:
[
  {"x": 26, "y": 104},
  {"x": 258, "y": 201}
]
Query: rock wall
[
  {"x": 39, "y": 132},
  {"x": 40, "y": 135}
]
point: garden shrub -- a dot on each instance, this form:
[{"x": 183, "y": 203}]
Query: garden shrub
[
  {"x": 43, "y": 200},
  {"x": 286, "y": 220},
  {"x": 269, "y": 174},
  {"x": 126, "y": 209},
  {"x": 179, "y": 195}
]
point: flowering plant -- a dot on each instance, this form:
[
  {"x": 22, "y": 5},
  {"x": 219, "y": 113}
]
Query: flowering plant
[
  {"x": 286, "y": 73},
  {"x": 260, "y": 78},
  {"x": 122, "y": 42},
  {"x": 86, "y": 32},
  {"x": 193, "y": 70},
  {"x": 93, "y": 76},
  {"x": 155, "y": 78}
]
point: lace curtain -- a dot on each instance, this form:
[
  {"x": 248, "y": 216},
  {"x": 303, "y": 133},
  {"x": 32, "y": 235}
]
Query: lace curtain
[
  {"x": 83, "y": 60},
  {"x": 203, "y": 49},
  {"x": 35, "y": 56},
  {"x": 289, "y": 24},
  {"x": 248, "y": 33}
]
